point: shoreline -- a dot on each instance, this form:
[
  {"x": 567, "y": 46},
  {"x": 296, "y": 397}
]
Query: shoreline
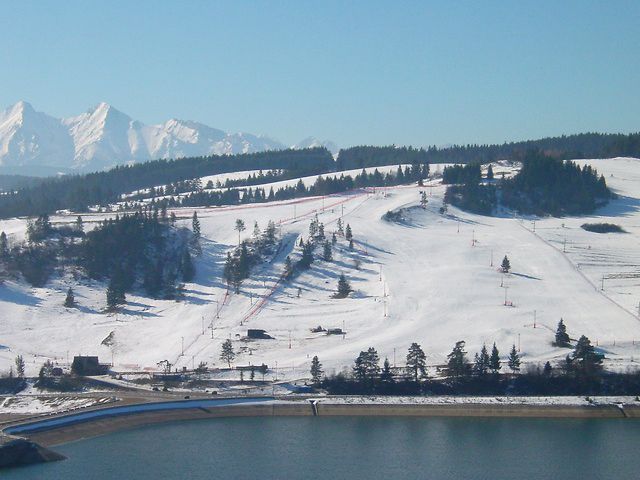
[{"x": 64, "y": 428}]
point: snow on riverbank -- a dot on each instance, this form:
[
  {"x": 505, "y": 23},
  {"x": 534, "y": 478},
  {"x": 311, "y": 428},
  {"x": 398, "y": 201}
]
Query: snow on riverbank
[
  {"x": 25, "y": 404},
  {"x": 476, "y": 400}
]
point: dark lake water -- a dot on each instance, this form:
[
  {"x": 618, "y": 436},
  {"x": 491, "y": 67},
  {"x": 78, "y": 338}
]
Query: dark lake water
[{"x": 355, "y": 448}]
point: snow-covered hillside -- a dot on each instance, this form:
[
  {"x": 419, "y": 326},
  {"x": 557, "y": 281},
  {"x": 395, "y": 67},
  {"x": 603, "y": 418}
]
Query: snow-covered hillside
[
  {"x": 103, "y": 137},
  {"x": 430, "y": 278}
]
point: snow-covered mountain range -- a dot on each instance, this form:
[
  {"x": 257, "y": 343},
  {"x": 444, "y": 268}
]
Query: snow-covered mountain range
[{"x": 33, "y": 142}]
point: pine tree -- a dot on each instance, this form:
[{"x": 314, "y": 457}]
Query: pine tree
[
  {"x": 514, "y": 360},
  {"x": 307, "y": 255},
  {"x": 344, "y": 287},
  {"x": 585, "y": 360},
  {"x": 79, "y": 225},
  {"x": 240, "y": 227},
  {"x": 288, "y": 268},
  {"x": 46, "y": 370},
  {"x": 506, "y": 265},
  {"x": 187, "y": 267},
  {"x": 195, "y": 226},
  {"x": 367, "y": 365},
  {"x": 229, "y": 269},
  {"x": 270, "y": 233},
  {"x": 386, "y": 375},
  {"x": 70, "y": 300},
  {"x": 327, "y": 254},
  {"x": 256, "y": 231},
  {"x": 416, "y": 361},
  {"x": 313, "y": 227},
  {"x": 340, "y": 228},
  {"x": 490, "y": 172},
  {"x": 348, "y": 234},
  {"x": 562, "y": 338},
  {"x": 316, "y": 370},
  {"x": 20, "y": 365},
  {"x": 423, "y": 199},
  {"x": 457, "y": 364},
  {"x": 494, "y": 360},
  {"x": 482, "y": 362},
  {"x": 334, "y": 240},
  {"x": 195, "y": 240},
  {"x": 547, "y": 369},
  {"x": 115, "y": 292},
  {"x": 227, "y": 354},
  {"x": 4, "y": 246}
]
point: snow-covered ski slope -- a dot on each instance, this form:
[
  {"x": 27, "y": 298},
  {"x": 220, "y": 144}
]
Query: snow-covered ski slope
[{"x": 434, "y": 269}]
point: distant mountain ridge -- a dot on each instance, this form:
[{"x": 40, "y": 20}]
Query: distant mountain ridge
[{"x": 35, "y": 143}]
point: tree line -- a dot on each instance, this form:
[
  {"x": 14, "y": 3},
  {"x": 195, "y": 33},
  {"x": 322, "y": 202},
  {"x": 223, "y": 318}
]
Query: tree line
[
  {"x": 78, "y": 192},
  {"x": 580, "y": 372},
  {"x": 141, "y": 250},
  {"x": 543, "y": 186}
]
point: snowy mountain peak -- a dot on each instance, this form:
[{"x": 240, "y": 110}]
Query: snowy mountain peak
[
  {"x": 312, "y": 142},
  {"x": 103, "y": 137}
]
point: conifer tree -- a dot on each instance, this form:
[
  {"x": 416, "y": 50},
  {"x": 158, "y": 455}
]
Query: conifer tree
[
  {"x": 482, "y": 362},
  {"x": 256, "y": 231},
  {"x": 229, "y": 267},
  {"x": 4, "y": 246},
  {"x": 457, "y": 364},
  {"x": 506, "y": 265},
  {"x": 227, "y": 354},
  {"x": 316, "y": 370},
  {"x": 348, "y": 234},
  {"x": 340, "y": 227},
  {"x": 562, "y": 337},
  {"x": 195, "y": 226},
  {"x": 490, "y": 172},
  {"x": 20, "y": 366},
  {"x": 386, "y": 375},
  {"x": 79, "y": 225},
  {"x": 494, "y": 360},
  {"x": 367, "y": 365},
  {"x": 70, "y": 300},
  {"x": 514, "y": 360},
  {"x": 115, "y": 292},
  {"x": 313, "y": 227},
  {"x": 584, "y": 359},
  {"x": 288, "y": 268},
  {"x": 240, "y": 227},
  {"x": 416, "y": 361},
  {"x": 327, "y": 254},
  {"x": 195, "y": 240},
  {"x": 547, "y": 369},
  {"x": 423, "y": 199},
  {"x": 270, "y": 233},
  {"x": 344, "y": 287},
  {"x": 334, "y": 240},
  {"x": 307, "y": 255},
  {"x": 186, "y": 266}
]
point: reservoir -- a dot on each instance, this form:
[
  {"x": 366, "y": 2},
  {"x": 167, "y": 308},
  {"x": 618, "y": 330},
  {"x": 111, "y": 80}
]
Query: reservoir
[{"x": 336, "y": 448}]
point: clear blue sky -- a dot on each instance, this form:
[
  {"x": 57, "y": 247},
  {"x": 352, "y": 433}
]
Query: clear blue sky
[{"x": 356, "y": 72}]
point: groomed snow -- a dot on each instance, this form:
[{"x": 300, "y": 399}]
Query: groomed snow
[{"x": 440, "y": 289}]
